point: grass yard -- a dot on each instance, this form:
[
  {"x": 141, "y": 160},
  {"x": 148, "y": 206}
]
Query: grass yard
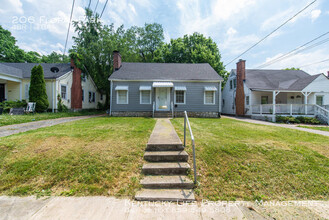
[
  {"x": 242, "y": 161},
  {"x": 97, "y": 156},
  {"x": 6, "y": 119},
  {"x": 316, "y": 127}
]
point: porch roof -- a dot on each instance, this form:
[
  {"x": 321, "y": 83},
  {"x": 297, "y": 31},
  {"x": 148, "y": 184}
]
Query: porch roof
[{"x": 163, "y": 84}]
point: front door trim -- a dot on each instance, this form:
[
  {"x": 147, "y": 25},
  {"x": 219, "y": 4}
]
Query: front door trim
[{"x": 157, "y": 93}]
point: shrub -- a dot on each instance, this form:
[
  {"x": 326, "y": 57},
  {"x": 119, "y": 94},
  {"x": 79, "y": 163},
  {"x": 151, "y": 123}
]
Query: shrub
[
  {"x": 297, "y": 120},
  {"x": 37, "y": 92},
  {"x": 60, "y": 106},
  {"x": 7, "y": 105}
]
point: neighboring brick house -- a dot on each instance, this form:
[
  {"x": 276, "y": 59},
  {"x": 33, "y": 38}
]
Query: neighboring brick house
[
  {"x": 145, "y": 89},
  {"x": 267, "y": 93},
  {"x": 77, "y": 90}
]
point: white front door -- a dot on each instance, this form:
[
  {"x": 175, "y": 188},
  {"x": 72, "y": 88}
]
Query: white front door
[{"x": 162, "y": 99}]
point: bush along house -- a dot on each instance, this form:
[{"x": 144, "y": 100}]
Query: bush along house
[
  {"x": 264, "y": 94},
  {"x": 164, "y": 89}
]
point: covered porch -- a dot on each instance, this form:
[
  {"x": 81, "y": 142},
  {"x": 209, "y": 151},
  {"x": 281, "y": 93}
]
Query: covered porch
[
  {"x": 285, "y": 103},
  {"x": 10, "y": 88}
]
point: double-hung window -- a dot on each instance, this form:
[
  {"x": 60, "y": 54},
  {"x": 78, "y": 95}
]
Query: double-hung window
[
  {"x": 122, "y": 94},
  {"x": 92, "y": 96},
  {"x": 63, "y": 91},
  {"x": 180, "y": 95},
  {"x": 209, "y": 95},
  {"x": 319, "y": 100},
  {"x": 264, "y": 100},
  {"x": 247, "y": 100},
  {"x": 145, "y": 95}
]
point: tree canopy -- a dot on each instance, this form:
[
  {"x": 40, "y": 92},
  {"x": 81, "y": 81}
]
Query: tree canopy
[{"x": 10, "y": 52}]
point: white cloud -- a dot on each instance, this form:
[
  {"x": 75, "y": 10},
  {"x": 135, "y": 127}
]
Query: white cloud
[
  {"x": 302, "y": 59},
  {"x": 166, "y": 36},
  {"x": 193, "y": 19},
  {"x": 315, "y": 14},
  {"x": 235, "y": 45},
  {"x": 13, "y": 7},
  {"x": 231, "y": 31}
]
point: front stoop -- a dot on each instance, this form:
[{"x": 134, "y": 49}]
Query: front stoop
[{"x": 166, "y": 168}]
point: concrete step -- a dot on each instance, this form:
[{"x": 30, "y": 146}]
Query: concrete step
[
  {"x": 179, "y": 168},
  {"x": 172, "y": 195},
  {"x": 164, "y": 147},
  {"x": 167, "y": 182},
  {"x": 162, "y": 114},
  {"x": 166, "y": 156}
]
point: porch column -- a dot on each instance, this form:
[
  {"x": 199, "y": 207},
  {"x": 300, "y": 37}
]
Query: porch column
[
  {"x": 306, "y": 94},
  {"x": 20, "y": 90},
  {"x": 274, "y": 101}
]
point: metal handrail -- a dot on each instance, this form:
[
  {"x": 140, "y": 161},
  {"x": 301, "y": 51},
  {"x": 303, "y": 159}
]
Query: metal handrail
[
  {"x": 186, "y": 121},
  {"x": 153, "y": 110}
]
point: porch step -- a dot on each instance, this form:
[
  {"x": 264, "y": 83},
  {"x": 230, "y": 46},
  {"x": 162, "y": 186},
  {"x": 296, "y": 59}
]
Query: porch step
[
  {"x": 164, "y": 147},
  {"x": 166, "y": 182},
  {"x": 166, "y": 156},
  {"x": 172, "y": 195},
  {"x": 162, "y": 114},
  {"x": 179, "y": 168}
]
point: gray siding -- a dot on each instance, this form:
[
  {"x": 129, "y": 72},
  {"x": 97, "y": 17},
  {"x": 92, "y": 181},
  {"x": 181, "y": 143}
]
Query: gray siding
[{"x": 194, "y": 97}]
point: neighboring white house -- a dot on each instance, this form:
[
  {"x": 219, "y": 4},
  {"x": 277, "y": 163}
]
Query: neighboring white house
[
  {"x": 15, "y": 83},
  {"x": 259, "y": 92}
]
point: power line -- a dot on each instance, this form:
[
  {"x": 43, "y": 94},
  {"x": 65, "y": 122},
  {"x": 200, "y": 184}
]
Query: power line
[
  {"x": 296, "y": 50},
  {"x": 272, "y": 32},
  {"x": 68, "y": 30},
  {"x": 96, "y": 6},
  {"x": 104, "y": 8},
  {"x": 89, "y": 4},
  {"x": 322, "y": 61}
]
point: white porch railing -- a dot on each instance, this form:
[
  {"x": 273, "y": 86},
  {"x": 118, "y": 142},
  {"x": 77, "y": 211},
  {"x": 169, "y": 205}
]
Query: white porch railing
[
  {"x": 322, "y": 113},
  {"x": 283, "y": 109}
]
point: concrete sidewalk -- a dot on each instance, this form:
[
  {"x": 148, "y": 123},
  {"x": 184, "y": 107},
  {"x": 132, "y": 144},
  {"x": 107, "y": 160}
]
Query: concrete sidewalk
[
  {"x": 112, "y": 208},
  {"x": 254, "y": 121},
  {"x": 18, "y": 128}
]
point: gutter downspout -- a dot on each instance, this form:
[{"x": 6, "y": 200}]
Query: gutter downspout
[{"x": 111, "y": 86}]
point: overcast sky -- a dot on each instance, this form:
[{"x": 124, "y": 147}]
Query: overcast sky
[{"x": 235, "y": 25}]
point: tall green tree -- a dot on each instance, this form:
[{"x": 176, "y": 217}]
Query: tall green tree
[
  {"x": 195, "y": 48},
  {"x": 55, "y": 58},
  {"x": 37, "y": 91},
  {"x": 7, "y": 46}
]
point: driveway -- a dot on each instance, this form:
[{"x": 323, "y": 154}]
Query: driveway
[{"x": 18, "y": 128}]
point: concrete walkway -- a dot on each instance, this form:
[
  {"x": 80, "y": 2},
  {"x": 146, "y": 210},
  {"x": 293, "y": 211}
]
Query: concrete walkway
[
  {"x": 18, "y": 128},
  {"x": 112, "y": 208},
  {"x": 325, "y": 133}
]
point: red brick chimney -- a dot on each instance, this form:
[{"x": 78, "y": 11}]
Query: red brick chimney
[
  {"x": 116, "y": 60},
  {"x": 76, "y": 89},
  {"x": 240, "y": 78}
]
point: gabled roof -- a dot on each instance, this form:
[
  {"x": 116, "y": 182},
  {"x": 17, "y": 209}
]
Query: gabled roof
[
  {"x": 23, "y": 70},
  {"x": 165, "y": 71},
  {"x": 290, "y": 80}
]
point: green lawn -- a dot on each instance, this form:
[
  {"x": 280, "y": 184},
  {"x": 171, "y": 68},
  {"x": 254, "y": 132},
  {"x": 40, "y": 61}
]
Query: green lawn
[
  {"x": 6, "y": 119},
  {"x": 243, "y": 161},
  {"x": 97, "y": 156},
  {"x": 316, "y": 128}
]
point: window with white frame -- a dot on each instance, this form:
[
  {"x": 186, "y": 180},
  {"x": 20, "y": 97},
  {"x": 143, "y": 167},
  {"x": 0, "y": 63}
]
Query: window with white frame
[
  {"x": 83, "y": 95},
  {"x": 247, "y": 100},
  {"x": 63, "y": 91},
  {"x": 180, "y": 95},
  {"x": 145, "y": 96},
  {"x": 122, "y": 96},
  {"x": 209, "y": 97},
  {"x": 92, "y": 96},
  {"x": 319, "y": 100},
  {"x": 27, "y": 88},
  {"x": 231, "y": 84},
  {"x": 234, "y": 82}
]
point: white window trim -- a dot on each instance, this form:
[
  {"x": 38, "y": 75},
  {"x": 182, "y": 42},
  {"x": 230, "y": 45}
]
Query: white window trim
[
  {"x": 65, "y": 91},
  {"x": 92, "y": 96},
  {"x": 127, "y": 101},
  {"x": 214, "y": 99},
  {"x": 184, "y": 97},
  {"x": 247, "y": 100},
  {"x": 140, "y": 97},
  {"x": 316, "y": 96}
]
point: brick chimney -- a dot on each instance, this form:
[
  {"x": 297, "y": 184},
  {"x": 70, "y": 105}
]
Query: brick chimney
[
  {"x": 240, "y": 96},
  {"x": 76, "y": 89},
  {"x": 116, "y": 60}
]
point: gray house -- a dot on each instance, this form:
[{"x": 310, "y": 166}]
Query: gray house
[{"x": 164, "y": 89}]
